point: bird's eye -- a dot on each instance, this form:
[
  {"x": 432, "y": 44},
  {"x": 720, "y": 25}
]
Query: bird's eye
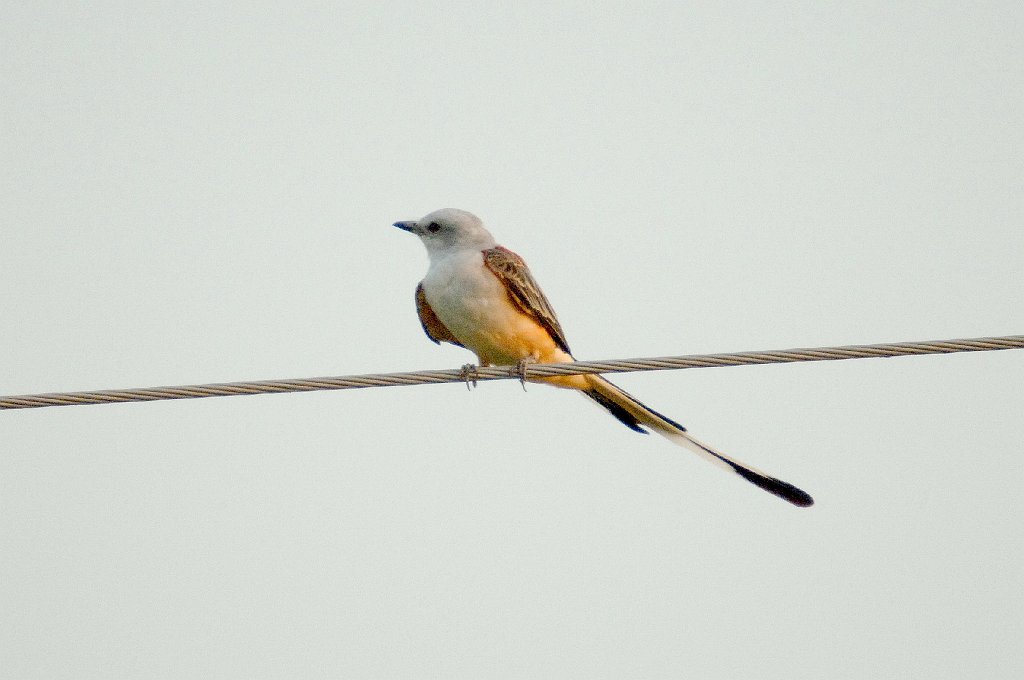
[{"x": 433, "y": 227}]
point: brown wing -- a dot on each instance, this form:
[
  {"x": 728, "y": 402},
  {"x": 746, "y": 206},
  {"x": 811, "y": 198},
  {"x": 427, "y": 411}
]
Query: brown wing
[
  {"x": 432, "y": 326},
  {"x": 524, "y": 291}
]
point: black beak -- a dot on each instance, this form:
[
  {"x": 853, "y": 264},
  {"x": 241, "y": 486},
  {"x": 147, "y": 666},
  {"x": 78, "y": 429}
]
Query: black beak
[{"x": 407, "y": 226}]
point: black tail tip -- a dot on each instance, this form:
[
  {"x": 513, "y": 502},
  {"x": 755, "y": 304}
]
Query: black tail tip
[{"x": 777, "y": 487}]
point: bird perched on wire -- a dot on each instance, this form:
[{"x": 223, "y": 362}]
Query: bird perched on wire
[{"x": 481, "y": 296}]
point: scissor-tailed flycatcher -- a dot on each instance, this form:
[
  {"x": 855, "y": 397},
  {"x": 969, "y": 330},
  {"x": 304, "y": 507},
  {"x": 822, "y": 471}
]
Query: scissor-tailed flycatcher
[{"x": 481, "y": 296}]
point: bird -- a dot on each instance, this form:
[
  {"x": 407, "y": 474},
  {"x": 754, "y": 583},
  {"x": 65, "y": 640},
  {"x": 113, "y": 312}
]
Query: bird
[{"x": 481, "y": 296}]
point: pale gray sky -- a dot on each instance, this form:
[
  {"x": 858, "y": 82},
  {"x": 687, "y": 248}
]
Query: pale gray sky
[{"x": 196, "y": 194}]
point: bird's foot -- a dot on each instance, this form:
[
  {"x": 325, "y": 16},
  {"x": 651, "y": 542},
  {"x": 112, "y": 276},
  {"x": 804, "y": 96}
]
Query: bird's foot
[
  {"x": 521, "y": 369},
  {"x": 470, "y": 375}
]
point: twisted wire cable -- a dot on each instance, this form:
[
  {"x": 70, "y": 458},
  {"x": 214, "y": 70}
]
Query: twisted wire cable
[{"x": 528, "y": 372}]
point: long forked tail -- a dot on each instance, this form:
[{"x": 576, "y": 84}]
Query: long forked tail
[{"x": 635, "y": 415}]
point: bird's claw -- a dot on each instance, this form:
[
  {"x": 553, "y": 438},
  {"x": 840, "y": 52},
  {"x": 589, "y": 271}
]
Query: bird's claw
[
  {"x": 469, "y": 375},
  {"x": 520, "y": 370}
]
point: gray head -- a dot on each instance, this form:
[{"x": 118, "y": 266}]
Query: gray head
[{"x": 450, "y": 229}]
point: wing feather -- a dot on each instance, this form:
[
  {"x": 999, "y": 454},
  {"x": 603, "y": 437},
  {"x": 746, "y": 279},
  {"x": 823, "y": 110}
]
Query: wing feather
[
  {"x": 432, "y": 326},
  {"x": 524, "y": 292}
]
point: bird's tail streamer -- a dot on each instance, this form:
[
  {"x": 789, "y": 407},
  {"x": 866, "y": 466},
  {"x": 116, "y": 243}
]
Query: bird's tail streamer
[{"x": 637, "y": 416}]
